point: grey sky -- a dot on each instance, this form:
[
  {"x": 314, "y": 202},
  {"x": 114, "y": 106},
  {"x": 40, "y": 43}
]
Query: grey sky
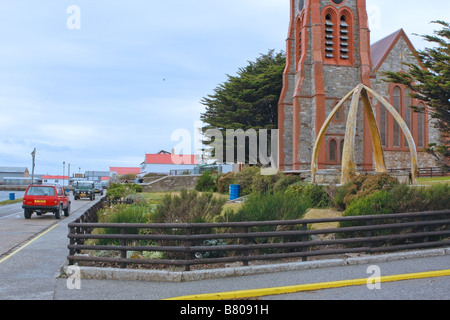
[{"x": 107, "y": 93}]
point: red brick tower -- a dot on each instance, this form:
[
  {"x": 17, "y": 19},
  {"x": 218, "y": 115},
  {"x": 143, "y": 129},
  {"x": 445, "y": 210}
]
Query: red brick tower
[{"x": 328, "y": 54}]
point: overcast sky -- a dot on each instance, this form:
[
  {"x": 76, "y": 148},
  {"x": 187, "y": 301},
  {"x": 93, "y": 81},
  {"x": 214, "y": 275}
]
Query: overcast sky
[{"x": 115, "y": 86}]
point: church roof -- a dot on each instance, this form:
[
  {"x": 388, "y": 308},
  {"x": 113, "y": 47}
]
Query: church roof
[{"x": 381, "y": 49}]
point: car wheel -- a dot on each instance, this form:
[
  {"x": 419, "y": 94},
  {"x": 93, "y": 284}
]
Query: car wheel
[
  {"x": 67, "y": 211},
  {"x": 58, "y": 213},
  {"x": 27, "y": 214}
]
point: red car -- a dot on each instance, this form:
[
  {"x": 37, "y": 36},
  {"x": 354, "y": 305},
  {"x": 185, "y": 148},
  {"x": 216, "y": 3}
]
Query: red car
[{"x": 46, "y": 198}]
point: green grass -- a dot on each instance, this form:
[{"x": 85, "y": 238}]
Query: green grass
[
  {"x": 432, "y": 181},
  {"x": 6, "y": 202}
]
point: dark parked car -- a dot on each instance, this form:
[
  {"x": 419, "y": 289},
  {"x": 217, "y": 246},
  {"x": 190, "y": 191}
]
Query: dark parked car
[{"x": 84, "y": 189}]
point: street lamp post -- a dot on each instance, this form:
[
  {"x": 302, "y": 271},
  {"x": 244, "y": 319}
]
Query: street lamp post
[{"x": 64, "y": 171}]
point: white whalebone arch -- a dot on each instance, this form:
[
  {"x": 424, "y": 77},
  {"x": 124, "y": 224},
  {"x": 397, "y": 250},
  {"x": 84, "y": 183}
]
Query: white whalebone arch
[{"x": 349, "y": 168}]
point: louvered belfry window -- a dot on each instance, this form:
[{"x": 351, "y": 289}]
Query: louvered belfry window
[
  {"x": 338, "y": 36},
  {"x": 344, "y": 38},
  {"x": 329, "y": 37}
]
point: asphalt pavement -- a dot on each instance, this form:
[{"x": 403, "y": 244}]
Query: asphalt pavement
[{"x": 33, "y": 271}]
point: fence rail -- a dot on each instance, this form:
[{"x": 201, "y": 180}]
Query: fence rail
[
  {"x": 432, "y": 172},
  {"x": 186, "y": 244},
  {"x": 428, "y": 172}
]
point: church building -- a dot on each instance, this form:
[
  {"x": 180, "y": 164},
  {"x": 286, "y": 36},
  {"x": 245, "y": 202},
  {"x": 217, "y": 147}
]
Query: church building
[{"x": 328, "y": 54}]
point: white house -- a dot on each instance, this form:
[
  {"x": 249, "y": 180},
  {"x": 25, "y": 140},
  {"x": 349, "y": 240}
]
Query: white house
[
  {"x": 164, "y": 163},
  {"x": 60, "y": 180}
]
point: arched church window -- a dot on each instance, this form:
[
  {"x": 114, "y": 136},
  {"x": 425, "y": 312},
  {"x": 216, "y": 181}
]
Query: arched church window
[
  {"x": 421, "y": 126},
  {"x": 333, "y": 150},
  {"x": 299, "y": 37},
  {"x": 407, "y": 112}
]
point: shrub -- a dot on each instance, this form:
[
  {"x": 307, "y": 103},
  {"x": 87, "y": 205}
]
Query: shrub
[
  {"x": 118, "y": 191},
  {"x": 272, "y": 206},
  {"x": 361, "y": 187},
  {"x": 284, "y": 182},
  {"x": 245, "y": 179},
  {"x": 122, "y": 214},
  {"x": 207, "y": 182},
  {"x": 400, "y": 199},
  {"x": 340, "y": 194},
  {"x": 188, "y": 207},
  {"x": 265, "y": 183},
  {"x": 268, "y": 206},
  {"x": 380, "y": 202},
  {"x": 224, "y": 181},
  {"x": 316, "y": 194},
  {"x": 251, "y": 180}
]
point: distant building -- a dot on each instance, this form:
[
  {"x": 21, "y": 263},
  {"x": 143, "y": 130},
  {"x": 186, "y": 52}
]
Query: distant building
[
  {"x": 97, "y": 175},
  {"x": 60, "y": 180},
  {"x": 13, "y": 172},
  {"x": 165, "y": 162},
  {"x": 121, "y": 171}
]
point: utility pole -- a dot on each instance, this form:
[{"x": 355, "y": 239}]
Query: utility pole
[
  {"x": 68, "y": 173},
  {"x": 64, "y": 172},
  {"x": 33, "y": 154}
]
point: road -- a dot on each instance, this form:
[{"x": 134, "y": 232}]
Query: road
[
  {"x": 32, "y": 272},
  {"x": 14, "y": 229}
]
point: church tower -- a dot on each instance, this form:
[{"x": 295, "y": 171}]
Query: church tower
[{"x": 328, "y": 54}]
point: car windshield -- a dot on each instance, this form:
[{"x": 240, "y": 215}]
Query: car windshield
[
  {"x": 84, "y": 185},
  {"x": 41, "y": 191}
]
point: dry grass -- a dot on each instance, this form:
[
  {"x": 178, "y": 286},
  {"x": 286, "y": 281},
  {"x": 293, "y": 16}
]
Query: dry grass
[{"x": 323, "y": 213}]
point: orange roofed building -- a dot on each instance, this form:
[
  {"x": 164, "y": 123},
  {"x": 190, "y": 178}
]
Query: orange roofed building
[
  {"x": 121, "y": 171},
  {"x": 165, "y": 162}
]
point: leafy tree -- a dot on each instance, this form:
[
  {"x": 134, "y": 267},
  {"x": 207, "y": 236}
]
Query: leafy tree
[
  {"x": 248, "y": 100},
  {"x": 430, "y": 82}
]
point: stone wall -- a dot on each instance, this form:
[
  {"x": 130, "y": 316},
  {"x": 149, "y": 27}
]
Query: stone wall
[{"x": 402, "y": 160}]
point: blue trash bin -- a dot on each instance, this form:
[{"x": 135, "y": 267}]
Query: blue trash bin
[
  {"x": 235, "y": 191},
  {"x": 12, "y": 196}
]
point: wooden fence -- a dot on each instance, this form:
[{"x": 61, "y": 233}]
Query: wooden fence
[
  {"x": 428, "y": 172},
  {"x": 186, "y": 244}
]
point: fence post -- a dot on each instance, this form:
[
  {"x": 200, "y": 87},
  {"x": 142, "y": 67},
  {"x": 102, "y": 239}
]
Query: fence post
[
  {"x": 123, "y": 253},
  {"x": 426, "y": 229},
  {"x": 71, "y": 242},
  {"x": 188, "y": 255},
  {"x": 304, "y": 239},
  {"x": 246, "y": 251},
  {"x": 369, "y": 233}
]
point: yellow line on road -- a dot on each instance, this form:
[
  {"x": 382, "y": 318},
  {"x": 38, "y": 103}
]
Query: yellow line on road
[
  {"x": 27, "y": 244},
  {"x": 310, "y": 287}
]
